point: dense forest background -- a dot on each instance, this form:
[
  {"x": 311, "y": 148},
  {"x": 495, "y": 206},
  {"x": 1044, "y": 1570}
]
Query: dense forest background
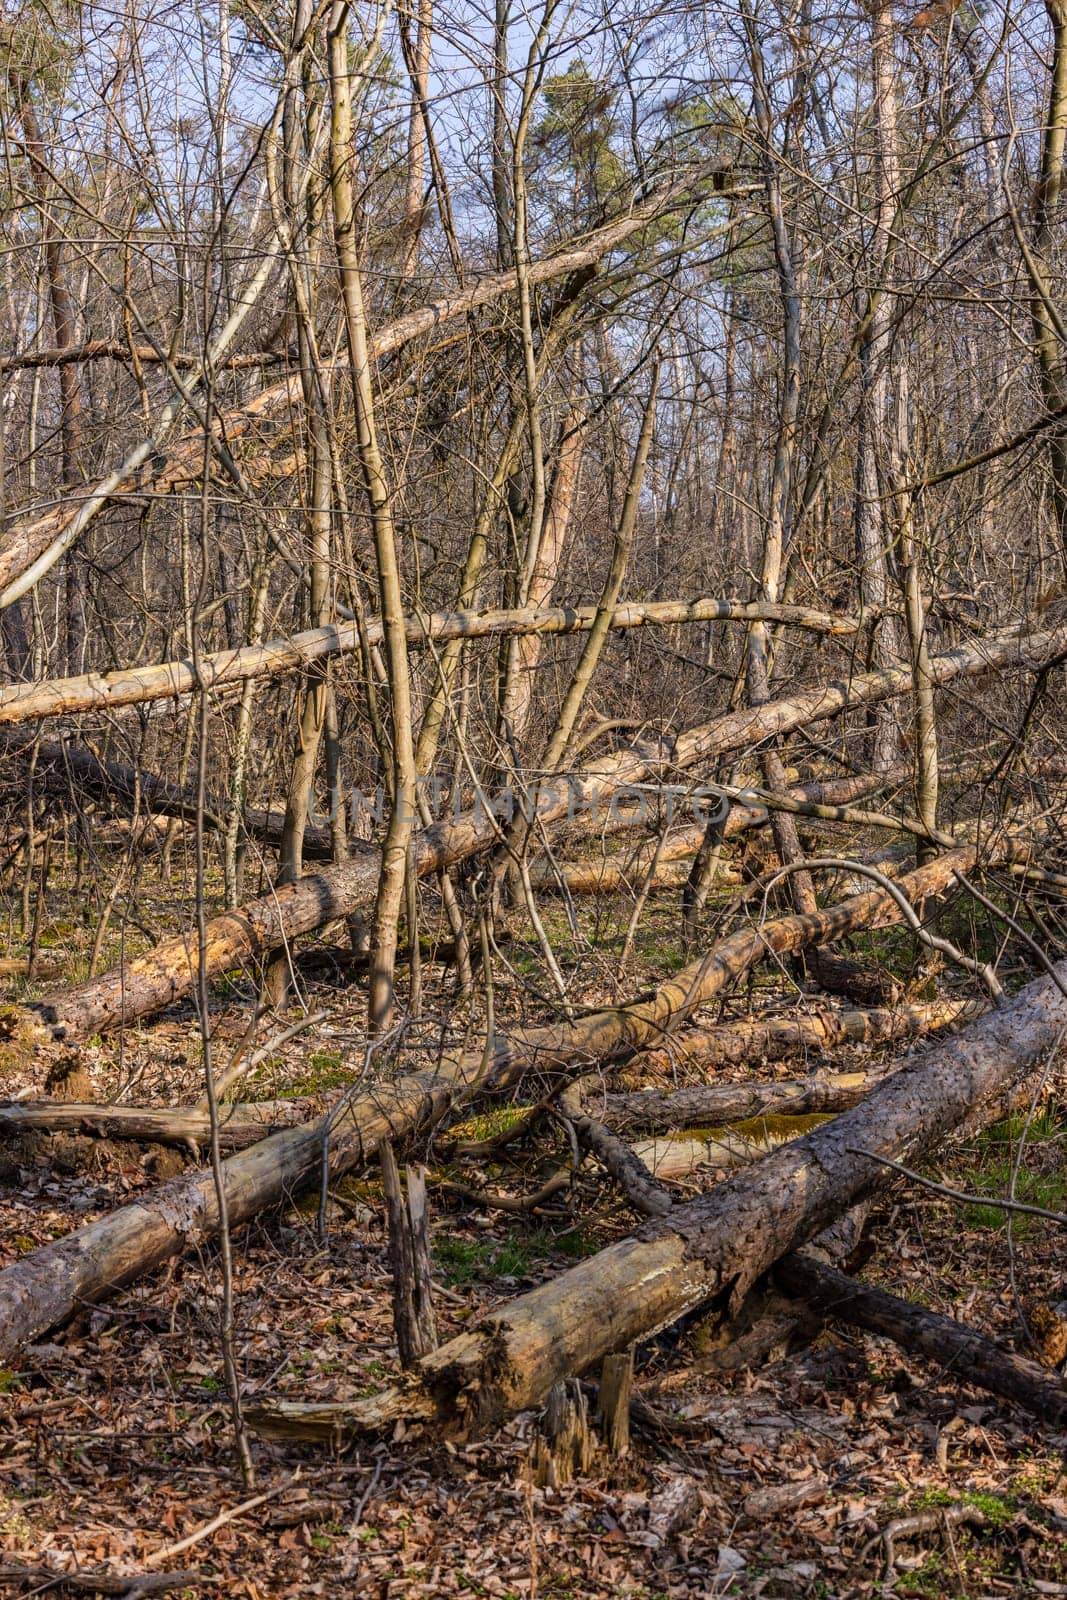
[{"x": 531, "y": 634}]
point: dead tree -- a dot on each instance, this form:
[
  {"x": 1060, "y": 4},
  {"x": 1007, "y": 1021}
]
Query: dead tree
[
  {"x": 710, "y": 1252},
  {"x": 45, "y": 1287}
]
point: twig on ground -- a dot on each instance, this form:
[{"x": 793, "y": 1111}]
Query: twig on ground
[
  {"x": 959, "y": 1195},
  {"x": 208, "y": 1528}
]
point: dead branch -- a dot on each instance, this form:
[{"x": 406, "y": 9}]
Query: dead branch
[
  {"x": 45, "y": 1286},
  {"x": 966, "y": 1355},
  {"x": 631, "y": 1174},
  {"x": 712, "y": 1250}
]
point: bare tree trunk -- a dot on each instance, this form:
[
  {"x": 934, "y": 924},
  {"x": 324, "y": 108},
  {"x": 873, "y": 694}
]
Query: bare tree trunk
[
  {"x": 170, "y": 680},
  {"x": 965, "y": 1355},
  {"x": 402, "y": 797},
  {"x": 1045, "y": 321},
  {"x": 926, "y": 754},
  {"x": 64, "y": 324},
  {"x": 526, "y": 650},
  {"x": 874, "y": 534},
  {"x": 776, "y": 530},
  {"x": 417, "y": 58}
]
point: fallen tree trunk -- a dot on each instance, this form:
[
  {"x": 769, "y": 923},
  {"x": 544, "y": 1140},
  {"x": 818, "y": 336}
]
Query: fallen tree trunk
[
  {"x": 733, "y": 1043},
  {"x": 62, "y": 762},
  {"x": 114, "y": 780},
  {"x": 169, "y": 972},
  {"x": 240, "y": 1125},
  {"x": 712, "y": 1105},
  {"x": 609, "y": 873},
  {"x": 966, "y": 1355},
  {"x": 169, "y": 680},
  {"x": 712, "y": 1250},
  {"x": 45, "y": 1287},
  {"x": 37, "y": 538}
]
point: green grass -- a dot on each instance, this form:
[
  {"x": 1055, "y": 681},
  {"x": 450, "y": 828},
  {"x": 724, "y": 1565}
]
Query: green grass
[
  {"x": 998, "y": 1509},
  {"x": 1047, "y": 1189},
  {"x": 1039, "y": 1129},
  {"x": 323, "y": 1069},
  {"x": 462, "y": 1260}
]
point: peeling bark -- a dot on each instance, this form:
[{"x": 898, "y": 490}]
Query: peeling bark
[
  {"x": 168, "y": 973},
  {"x": 46, "y": 1286},
  {"x": 709, "y": 1252}
]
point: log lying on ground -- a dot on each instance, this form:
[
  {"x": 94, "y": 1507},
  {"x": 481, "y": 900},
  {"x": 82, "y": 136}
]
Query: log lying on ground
[
  {"x": 38, "y": 538},
  {"x": 111, "y": 781},
  {"x": 625, "y": 869},
  {"x": 169, "y": 972},
  {"x": 733, "y": 1043},
  {"x": 45, "y": 1287},
  {"x": 22, "y": 967},
  {"x": 240, "y": 1124},
  {"x": 710, "y": 1251},
  {"x": 170, "y": 680},
  {"x": 712, "y": 1105},
  {"x": 965, "y": 1355}
]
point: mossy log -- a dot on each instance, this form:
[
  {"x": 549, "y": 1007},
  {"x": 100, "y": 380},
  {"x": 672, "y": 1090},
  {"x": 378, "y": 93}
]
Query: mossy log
[
  {"x": 169, "y": 972},
  {"x": 710, "y": 1252},
  {"x": 46, "y": 1286}
]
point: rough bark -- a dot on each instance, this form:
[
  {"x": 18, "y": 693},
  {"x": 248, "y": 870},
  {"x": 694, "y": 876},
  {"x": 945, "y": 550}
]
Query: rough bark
[
  {"x": 966, "y": 1355},
  {"x": 46, "y": 1286},
  {"x": 711, "y": 1251},
  {"x": 409, "y": 1258},
  {"x": 772, "y": 1037}
]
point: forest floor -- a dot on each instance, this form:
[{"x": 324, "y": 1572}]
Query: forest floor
[{"x": 116, "y": 1441}]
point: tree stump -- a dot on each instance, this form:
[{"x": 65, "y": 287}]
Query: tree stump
[{"x": 409, "y": 1257}]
